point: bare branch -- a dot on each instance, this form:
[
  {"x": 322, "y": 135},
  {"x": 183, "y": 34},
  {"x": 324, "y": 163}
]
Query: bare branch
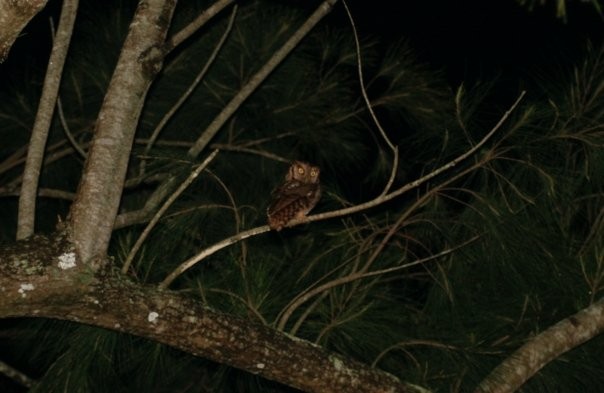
[
  {"x": 191, "y": 88},
  {"x": 68, "y": 133},
  {"x": 304, "y": 296},
  {"x": 43, "y": 192},
  {"x": 94, "y": 211},
  {"x": 259, "y": 77},
  {"x": 370, "y": 106},
  {"x": 16, "y": 375},
  {"x": 192, "y": 27},
  {"x": 162, "y": 210},
  {"x": 37, "y": 143},
  {"x": 543, "y": 348},
  {"x": 180, "y": 321},
  {"x": 189, "y": 263},
  {"x": 414, "y": 184},
  {"x": 258, "y": 152}
]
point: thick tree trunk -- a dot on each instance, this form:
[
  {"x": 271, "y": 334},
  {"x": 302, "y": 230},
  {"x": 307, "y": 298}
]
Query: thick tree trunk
[
  {"x": 100, "y": 190},
  {"x": 41, "y": 277}
]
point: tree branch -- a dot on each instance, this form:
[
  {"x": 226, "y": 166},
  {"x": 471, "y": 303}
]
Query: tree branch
[
  {"x": 545, "y": 347},
  {"x": 259, "y": 77},
  {"x": 165, "y": 206},
  {"x": 195, "y": 25},
  {"x": 186, "y": 265},
  {"x": 93, "y": 213},
  {"x": 16, "y": 375},
  {"x": 39, "y": 135},
  {"x": 166, "y": 118},
  {"x": 14, "y": 15},
  {"x": 341, "y": 212},
  {"x": 165, "y": 188},
  {"x": 369, "y": 106},
  {"x": 49, "y": 282}
]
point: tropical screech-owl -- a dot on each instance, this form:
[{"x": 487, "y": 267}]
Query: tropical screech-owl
[{"x": 296, "y": 196}]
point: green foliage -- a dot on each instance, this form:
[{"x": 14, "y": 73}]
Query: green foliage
[{"x": 519, "y": 225}]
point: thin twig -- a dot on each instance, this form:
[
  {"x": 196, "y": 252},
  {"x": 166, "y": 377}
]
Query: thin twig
[
  {"x": 255, "y": 81},
  {"x": 43, "y": 192},
  {"x": 162, "y": 210},
  {"x": 261, "y": 153},
  {"x": 186, "y": 265},
  {"x": 191, "y": 88},
  {"x": 195, "y": 25},
  {"x": 39, "y": 135},
  {"x": 414, "y": 184},
  {"x": 68, "y": 133},
  {"x": 66, "y": 129},
  {"x": 286, "y": 312},
  {"x": 234, "y": 208},
  {"x": 52, "y": 154},
  {"x": 400, "y": 345},
  {"x": 369, "y": 106},
  {"x": 302, "y": 298},
  {"x": 16, "y": 375}
]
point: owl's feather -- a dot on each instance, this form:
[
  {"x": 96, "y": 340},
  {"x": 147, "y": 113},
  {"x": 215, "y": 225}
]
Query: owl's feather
[{"x": 287, "y": 195}]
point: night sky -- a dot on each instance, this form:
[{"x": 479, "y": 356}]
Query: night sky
[{"x": 478, "y": 39}]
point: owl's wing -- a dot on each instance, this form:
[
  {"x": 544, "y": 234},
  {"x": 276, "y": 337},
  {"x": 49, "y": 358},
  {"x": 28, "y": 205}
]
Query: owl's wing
[
  {"x": 289, "y": 193},
  {"x": 280, "y": 202}
]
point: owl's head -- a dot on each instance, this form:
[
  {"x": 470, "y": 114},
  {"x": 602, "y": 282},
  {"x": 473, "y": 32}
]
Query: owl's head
[{"x": 303, "y": 172}]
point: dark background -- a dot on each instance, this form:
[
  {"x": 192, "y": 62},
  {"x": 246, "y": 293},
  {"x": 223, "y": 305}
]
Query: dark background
[
  {"x": 469, "y": 40},
  {"x": 481, "y": 39}
]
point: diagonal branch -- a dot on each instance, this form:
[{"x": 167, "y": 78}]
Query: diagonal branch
[
  {"x": 255, "y": 81},
  {"x": 168, "y": 116},
  {"x": 165, "y": 206},
  {"x": 93, "y": 213},
  {"x": 39, "y": 135},
  {"x": 195, "y": 25},
  {"x": 567, "y": 334},
  {"x": 16, "y": 375}
]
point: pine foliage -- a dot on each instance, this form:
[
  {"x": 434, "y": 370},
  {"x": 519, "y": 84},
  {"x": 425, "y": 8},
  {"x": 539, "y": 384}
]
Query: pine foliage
[{"x": 519, "y": 226}]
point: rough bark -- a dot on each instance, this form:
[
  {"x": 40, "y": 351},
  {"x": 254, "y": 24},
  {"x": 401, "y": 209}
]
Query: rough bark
[
  {"x": 41, "y": 277},
  {"x": 14, "y": 15},
  {"x": 567, "y": 334},
  {"x": 94, "y": 210},
  {"x": 39, "y": 134}
]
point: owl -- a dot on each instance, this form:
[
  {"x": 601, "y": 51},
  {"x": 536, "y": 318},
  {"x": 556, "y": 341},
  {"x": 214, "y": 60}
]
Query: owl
[{"x": 296, "y": 196}]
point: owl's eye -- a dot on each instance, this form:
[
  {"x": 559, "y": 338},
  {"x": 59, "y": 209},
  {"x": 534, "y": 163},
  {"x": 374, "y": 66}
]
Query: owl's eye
[
  {"x": 300, "y": 170},
  {"x": 313, "y": 173}
]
